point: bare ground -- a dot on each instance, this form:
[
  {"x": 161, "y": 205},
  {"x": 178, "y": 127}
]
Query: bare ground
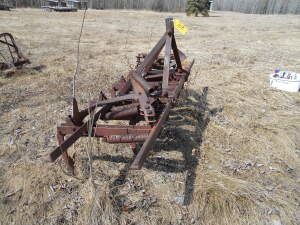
[{"x": 229, "y": 153}]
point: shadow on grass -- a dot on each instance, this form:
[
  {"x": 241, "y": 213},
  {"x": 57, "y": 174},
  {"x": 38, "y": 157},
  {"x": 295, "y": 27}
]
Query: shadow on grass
[{"x": 184, "y": 133}]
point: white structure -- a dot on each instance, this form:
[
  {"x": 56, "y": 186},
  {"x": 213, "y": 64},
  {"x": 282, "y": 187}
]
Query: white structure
[
  {"x": 285, "y": 81},
  {"x": 211, "y": 3}
]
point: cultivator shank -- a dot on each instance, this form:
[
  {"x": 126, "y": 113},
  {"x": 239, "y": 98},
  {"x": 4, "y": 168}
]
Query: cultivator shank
[
  {"x": 10, "y": 54},
  {"x": 145, "y": 96}
]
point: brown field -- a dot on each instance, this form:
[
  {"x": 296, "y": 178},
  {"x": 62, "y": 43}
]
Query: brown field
[{"x": 230, "y": 152}]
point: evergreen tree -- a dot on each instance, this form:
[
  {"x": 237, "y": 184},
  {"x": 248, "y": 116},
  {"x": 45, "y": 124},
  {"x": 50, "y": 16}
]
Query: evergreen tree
[{"x": 194, "y": 7}]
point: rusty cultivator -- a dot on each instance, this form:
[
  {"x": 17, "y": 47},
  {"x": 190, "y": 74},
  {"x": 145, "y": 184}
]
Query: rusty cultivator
[
  {"x": 146, "y": 96},
  {"x": 10, "y": 54}
]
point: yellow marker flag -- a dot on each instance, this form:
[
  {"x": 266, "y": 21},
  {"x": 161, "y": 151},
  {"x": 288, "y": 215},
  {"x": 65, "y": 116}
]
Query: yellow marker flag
[{"x": 180, "y": 27}]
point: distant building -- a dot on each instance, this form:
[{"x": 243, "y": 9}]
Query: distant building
[{"x": 64, "y": 5}]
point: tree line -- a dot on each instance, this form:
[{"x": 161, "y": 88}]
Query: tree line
[
  {"x": 157, "y": 5},
  {"x": 259, "y": 6},
  {"x": 245, "y": 6}
]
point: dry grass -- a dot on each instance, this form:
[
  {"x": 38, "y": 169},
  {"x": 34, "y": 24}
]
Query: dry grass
[{"x": 228, "y": 154}]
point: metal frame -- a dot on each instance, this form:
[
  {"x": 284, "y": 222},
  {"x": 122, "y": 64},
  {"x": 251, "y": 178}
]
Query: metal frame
[
  {"x": 147, "y": 95},
  {"x": 16, "y": 58},
  {"x": 4, "y": 5}
]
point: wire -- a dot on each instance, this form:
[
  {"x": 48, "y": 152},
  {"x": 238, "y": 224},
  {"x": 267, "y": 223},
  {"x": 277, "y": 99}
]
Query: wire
[{"x": 78, "y": 55}]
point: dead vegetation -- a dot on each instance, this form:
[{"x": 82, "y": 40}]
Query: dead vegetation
[{"x": 229, "y": 153}]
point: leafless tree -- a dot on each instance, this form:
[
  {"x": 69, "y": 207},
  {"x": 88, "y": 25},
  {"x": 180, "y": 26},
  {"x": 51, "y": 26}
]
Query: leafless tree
[{"x": 259, "y": 6}]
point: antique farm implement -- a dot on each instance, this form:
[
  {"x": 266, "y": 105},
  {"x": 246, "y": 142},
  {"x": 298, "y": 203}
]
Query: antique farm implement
[
  {"x": 144, "y": 99},
  {"x": 5, "y": 5},
  {"x": 10, "y": 54}
]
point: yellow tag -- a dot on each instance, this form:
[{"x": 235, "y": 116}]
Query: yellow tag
[{"x": 180, "y": 27}]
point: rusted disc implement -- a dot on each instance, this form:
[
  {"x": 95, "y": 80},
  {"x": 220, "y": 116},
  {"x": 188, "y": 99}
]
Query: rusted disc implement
[{"x": 147, "y": 94}]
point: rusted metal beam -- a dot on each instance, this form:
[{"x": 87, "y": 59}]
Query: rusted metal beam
[
  {"x": 106, "y": 130},
  {"x": 115, "y": 100},
  {"x": 67, "y": 143},
  {"x": 78, "y": 116},
  {"x": 166, "y": 72},
  {"x": 75, "y": 136},
  {"x": 122, "y": 115},
  {"x": 124, "y": 107},
  {"x": 152, "y": 56},
  {"x": 143, "y": 153},
  {"x": 130, "y": 138},
  {"x": 179, "y": 56}
]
